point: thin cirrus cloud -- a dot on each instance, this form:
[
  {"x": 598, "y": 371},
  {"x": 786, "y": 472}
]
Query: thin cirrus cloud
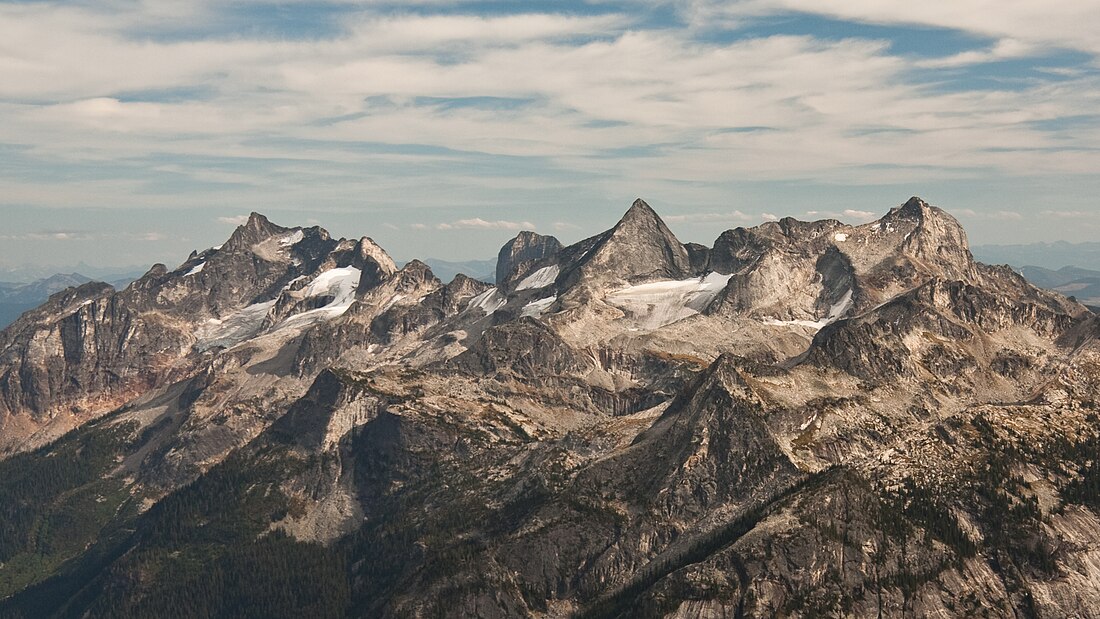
[
  {"x": 730, "y": 217},
  {"x": 999, "y": 215},
  {"x": 234, "y": 220},
  {"x": 850, "y": 215},
  {"x": 489, "y": 115},
  {"x": 1063, "y": 23},
  {"x": 480, "y": 224}
]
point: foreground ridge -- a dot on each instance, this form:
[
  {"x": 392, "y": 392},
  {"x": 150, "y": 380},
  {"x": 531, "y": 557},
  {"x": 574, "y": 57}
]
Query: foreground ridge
[{"x": 803, "y": 419}]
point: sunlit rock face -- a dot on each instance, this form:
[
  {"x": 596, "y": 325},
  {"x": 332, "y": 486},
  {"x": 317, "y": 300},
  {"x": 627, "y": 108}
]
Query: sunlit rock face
[{"x": 805, "y": 419}]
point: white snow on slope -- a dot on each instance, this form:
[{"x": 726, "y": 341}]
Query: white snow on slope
[
  {"x": 291, "y": 238},
  {"x": 836, "y": 312},
  {"x": 540, "y": 278},
  {"x": 235, "y": 328},
  {"x": 340, "y": 284},
  {"x": 196, "y": 269},
  {"x": 488, "y": 302},
  {"x": 534, "y": 309},
  {"x": 660, "y": 303}
]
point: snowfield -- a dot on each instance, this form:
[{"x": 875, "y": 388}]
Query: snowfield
[
  {"x": 534, "y": 309},
  {"x": 540, "y": 278},
  {"x": 488, "y": 302},
  {"x": 235, "y": 328},
  {"x": 836, "y": 312},
  {"x": 340, "y": 284},
  {"x": 657, "y": 304}
]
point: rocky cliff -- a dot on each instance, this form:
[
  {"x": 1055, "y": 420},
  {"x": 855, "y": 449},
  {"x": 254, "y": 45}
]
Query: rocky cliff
[{"x": 807, "y": 419}]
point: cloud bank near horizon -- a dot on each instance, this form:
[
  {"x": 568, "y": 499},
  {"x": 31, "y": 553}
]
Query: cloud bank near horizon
[{"x": 468, "y": 119}]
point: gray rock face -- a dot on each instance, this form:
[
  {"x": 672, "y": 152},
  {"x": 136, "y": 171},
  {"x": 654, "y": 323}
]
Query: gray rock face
[
  {"x": 526, "y": 348},
  {"x": 375, "y": 264},
  {"x": 808, "y": 419},
  {"x": 821, "y": 271},
  {"x": 83, "y": 351},
  {"x": 89, "y": 350},
  {"x": 516, "y": 256},
  {"x": 638, "y": 248}
]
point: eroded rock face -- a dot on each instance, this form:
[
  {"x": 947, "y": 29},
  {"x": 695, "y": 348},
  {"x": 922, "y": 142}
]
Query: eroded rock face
[
  {"x": 516, "y": 256},
  {"x": 91, "y": 349},
  {"x": 82, "y": 352},
  {"x": 808, "y": 419},
  {"x": 640, "y": 247}
]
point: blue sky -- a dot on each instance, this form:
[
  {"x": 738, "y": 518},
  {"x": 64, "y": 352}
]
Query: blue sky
[{"x": 135, "y": 131}]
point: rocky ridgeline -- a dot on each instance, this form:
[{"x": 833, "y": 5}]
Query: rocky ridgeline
[{"x": 805, "y": 419}]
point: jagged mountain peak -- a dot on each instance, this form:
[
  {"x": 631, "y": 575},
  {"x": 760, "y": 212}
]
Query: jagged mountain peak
[
  {"x": 258, "y": 228},
  {"x": 640, "y": 247},
  {"x": 259, "y": 221},
  {"x": 913, "y": 207},
  {"x": 604, "y": 466},
  {"x": 417, "y": 268},
  {"x": 641, "y": 217},
  {"x": 639, "y": 209},
  {"x": 519, "y": 254},
  {"x": 376, "y": 265}
]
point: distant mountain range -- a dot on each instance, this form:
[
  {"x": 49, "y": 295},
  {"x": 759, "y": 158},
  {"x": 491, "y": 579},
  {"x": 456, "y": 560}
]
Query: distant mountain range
[
  {"x": 803, "y": 419},
  {"x": 1043, "y": 264},
  {"x": 16, "y": 298},
  {"x": 481, "y": 270},
  {"x": 32, "y": 273},
  {"x": 1083, "y": 284},
  {"x": 1045, "y": 255}
]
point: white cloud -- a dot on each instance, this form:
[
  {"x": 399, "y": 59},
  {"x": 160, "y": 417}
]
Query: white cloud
[
  {"x": 847, "y": 215},
  {"x": 480, "y": 224},
  {"x": 265, "y": 120},
  {"x": 236, "y": 220},
  {"x": 564, "y": 226},
  {"x": 1055, "y": 214},
  {"x": 997, "y": 215},
  {"x": 858, "y": 216},
  {"x": 1063, "y": 23},
  {"x": 732, "y": 216}
]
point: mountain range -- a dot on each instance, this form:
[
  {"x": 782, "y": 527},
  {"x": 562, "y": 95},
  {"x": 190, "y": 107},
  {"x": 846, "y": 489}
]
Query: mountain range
[
  {"x": 16, "y": 298},
  {"x": 803, "y": 419},
  {"x": 1044, "y": 255}
]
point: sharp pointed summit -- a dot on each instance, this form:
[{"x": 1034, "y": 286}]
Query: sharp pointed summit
[
  {"x": 640, "y": 209},
  {"x": 640, "y": 247},
  {"x": 257, "y": 229},
  {"x": 620, "y": 424}
]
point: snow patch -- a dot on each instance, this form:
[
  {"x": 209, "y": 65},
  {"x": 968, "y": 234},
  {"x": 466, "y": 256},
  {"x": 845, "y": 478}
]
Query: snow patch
[
  {"x": 340, "y": 284},
  {"x": 534, "y": 309},
  {"x": 235, "y": 328},
  {"x": 540, "y": 278},
  {"x": 488, "y": 302},
  {"x": 660, "y": 303},
  {"x": 392, "y": 301},
  {"x": 196, "y": 269},
  {"x": 836, "y": 312},
  {"x": 840, "y": 237},
  {"x": 808, "y": 422},
  {"x": 292, "y": 238}
]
